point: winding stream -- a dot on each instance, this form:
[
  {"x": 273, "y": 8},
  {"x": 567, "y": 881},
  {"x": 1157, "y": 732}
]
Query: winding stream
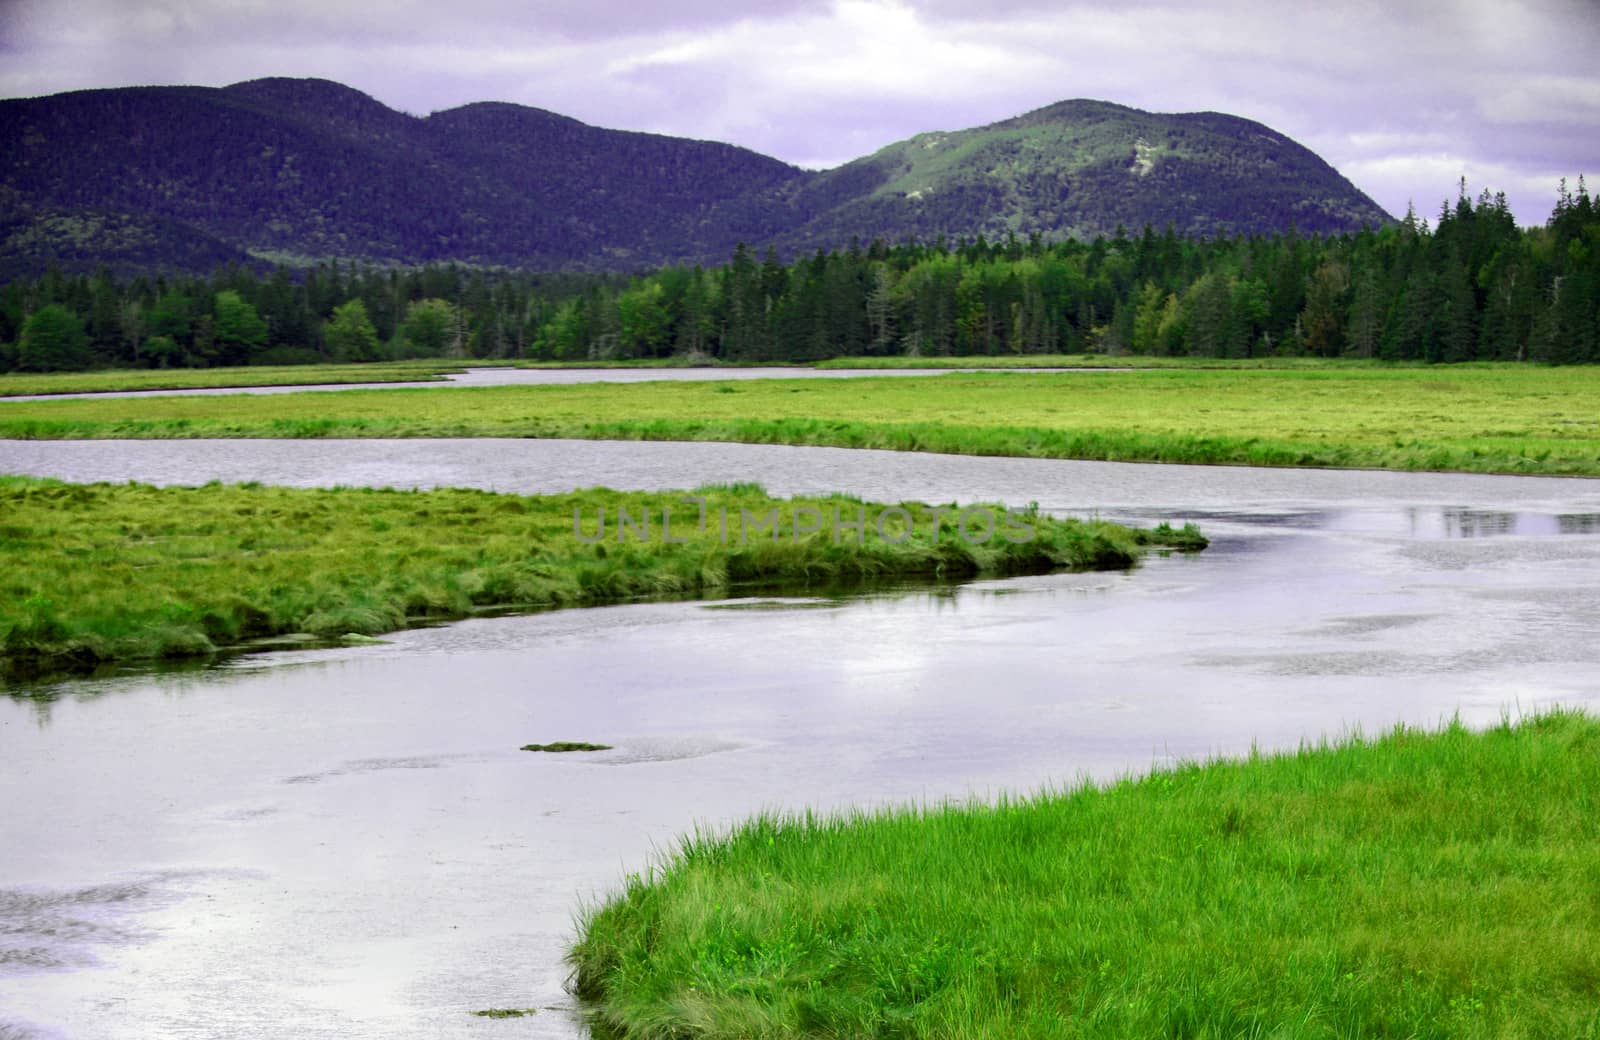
[{"x": 347, "y": 843}]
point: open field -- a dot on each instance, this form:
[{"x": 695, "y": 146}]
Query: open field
[
  {"x": 1482, "y": 419},
  {"x": 1418, "y": 885},
  {"x": 100, "y": 573}
]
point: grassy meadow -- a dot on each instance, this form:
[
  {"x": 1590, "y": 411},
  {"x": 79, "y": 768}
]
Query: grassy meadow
[
  {"x": 1485, "y": 419},
  {"x": 100, "y": 573},
  {"x": 1422, "y": 885}
]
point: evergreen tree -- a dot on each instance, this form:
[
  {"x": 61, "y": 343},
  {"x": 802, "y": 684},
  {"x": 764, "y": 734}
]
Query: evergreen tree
[
  {"x": 1322, "y": 322},
  {"x": 1364, "y": 324}
]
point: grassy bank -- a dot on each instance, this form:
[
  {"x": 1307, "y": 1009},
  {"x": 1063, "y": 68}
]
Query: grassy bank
[
  {"x": 98, "y": 573},
  {"x": 1027, "y": 361},
  {"x": 1487, "y": 419},
  {"x": 1419, "y": 885},
  {"x": 16, "y": 384}
]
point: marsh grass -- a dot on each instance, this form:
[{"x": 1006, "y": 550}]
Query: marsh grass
[
  {"x": 1486, "y": 419},
  {"x": 1107, "y": 361},
  {"x": 1423, "y": 885},
  {"x": 567, "y": 746},
  {"x": 113, "y": 380},
  {"x": 97, "y": 573}
]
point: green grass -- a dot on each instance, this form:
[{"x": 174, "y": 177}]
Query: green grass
[
  {"x": 99, "y": 573},
  {"x": 567, "y": 745},
  {"x": 674, "y": 361},
  {"x": 1422, "y": 885},
  {"x": 1136, "y": 361},
  {"x": 17, "y": 384},
  {"x": 1489, "y": 419}
]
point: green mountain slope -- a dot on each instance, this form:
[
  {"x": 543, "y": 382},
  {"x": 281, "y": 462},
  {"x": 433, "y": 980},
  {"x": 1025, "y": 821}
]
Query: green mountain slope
[
  {"x": 1082, "y": 168},
  {"x": 295, "y": 170}
]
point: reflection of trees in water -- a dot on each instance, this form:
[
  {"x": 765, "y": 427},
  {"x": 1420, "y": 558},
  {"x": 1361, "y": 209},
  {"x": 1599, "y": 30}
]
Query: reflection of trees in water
[
  {"x": 1579, "y": 523},
  {"x": 1484, "y": 523},
  {"x": 171, "y": 678},
  {"x": 1477, "y": 523}
]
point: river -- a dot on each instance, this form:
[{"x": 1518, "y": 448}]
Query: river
[{"x": 347, "y": 843}]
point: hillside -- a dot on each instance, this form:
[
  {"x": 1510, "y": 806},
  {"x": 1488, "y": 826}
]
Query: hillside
[
  {"x": 297, "y": 170},
  {"x": 1082, "y": 168}
]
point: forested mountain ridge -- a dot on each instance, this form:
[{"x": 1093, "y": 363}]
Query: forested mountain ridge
[
  {"x": 1079, "y": 168},
  {"x": 294, "y": 171}
]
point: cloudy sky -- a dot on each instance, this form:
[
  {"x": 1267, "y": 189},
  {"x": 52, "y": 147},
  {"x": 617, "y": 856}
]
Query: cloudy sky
[{"x": 1403, "y": 97}]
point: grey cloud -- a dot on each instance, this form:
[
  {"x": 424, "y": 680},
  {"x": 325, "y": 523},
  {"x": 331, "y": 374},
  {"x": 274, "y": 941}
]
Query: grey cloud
[
  {"x": 1397, "y": 94},
  {"x": 483, "y": 21}
]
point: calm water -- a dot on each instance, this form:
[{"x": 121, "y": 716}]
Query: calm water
[{"x": 348, "y": 844}]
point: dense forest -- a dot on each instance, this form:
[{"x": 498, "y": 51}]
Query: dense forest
[{"x": 1472, "y": 286}]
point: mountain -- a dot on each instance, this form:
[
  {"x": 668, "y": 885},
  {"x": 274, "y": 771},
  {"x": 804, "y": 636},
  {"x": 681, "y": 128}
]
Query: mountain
[
  {"x": 295, "y": 170},
  {"x": 292, "y": 171},
  {"x": 1082, "y": 168}
]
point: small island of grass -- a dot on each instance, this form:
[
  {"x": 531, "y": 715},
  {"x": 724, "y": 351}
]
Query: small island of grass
[
  {"x": 112, "y": 573},
  {"x": 506, "y": 1012}
]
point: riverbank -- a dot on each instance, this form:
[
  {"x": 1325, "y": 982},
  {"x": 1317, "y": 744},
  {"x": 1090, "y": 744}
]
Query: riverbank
[
  {"x": 104, "y": 573},
  {"x": 1140, "y": 361},
  {"x": 1482, "y": 420},
  {"x": 1420, "y": 884}
]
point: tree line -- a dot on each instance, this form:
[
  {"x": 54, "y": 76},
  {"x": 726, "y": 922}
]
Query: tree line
[{"x": 1470, "y": 286}]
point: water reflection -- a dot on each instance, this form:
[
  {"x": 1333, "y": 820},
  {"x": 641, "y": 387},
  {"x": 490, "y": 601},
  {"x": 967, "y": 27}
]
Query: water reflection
[
  {"x": 1579, "y": 523},
  {"x": 1479, "y": 523},
  {"x": 1451, "y": 522}
]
